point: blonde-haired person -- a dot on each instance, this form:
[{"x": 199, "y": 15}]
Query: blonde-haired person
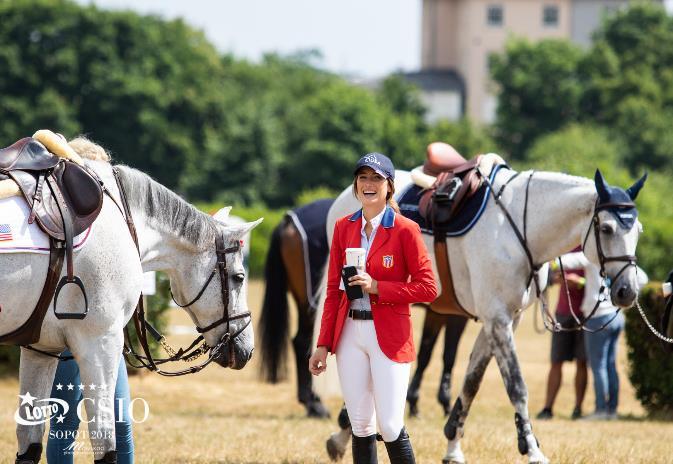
[{"x": 372, "y": 336}]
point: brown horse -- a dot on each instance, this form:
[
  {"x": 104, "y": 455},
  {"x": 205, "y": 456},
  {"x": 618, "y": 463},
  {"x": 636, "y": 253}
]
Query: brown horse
[{"x": 295, "y": 261}]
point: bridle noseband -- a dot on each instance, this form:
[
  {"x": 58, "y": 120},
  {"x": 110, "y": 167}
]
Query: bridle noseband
[{"x": 630, "y": 260}]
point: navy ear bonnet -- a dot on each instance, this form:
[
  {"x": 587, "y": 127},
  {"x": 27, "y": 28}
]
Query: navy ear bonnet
[{"x": 617, "y": 201}]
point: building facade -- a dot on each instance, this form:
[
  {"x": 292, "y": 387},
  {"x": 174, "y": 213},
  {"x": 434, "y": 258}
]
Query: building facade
[{"x": 459, "y": 36}]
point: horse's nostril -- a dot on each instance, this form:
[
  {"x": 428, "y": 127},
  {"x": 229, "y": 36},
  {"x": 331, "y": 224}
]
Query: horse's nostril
[{"x": 621, "y": 293}]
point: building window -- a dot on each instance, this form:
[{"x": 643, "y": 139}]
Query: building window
[
  {"x": 550, "y": 16},
  {"x": 494, "y": 15}
]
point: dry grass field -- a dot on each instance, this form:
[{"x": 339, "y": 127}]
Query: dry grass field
[{"x": 224, "y": 416}]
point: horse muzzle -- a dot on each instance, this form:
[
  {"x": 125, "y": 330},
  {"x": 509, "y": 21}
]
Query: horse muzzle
[
  {"x": 235, "y": 354},
  {"x": 624, "y": 293}
]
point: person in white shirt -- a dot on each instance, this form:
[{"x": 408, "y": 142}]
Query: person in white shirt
[{"x": 601, "y": 345}]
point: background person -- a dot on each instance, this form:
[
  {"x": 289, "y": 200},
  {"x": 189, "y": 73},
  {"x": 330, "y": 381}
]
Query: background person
[
  {"x": 59, "y": 441},
  {"x": 372, "y": 336},
  {"x": 567, "y": 346}
]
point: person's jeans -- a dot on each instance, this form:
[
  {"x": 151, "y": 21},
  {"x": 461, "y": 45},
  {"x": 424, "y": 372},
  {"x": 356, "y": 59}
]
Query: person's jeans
[
  {"x": 602, "y": 355},
  {"x": 68, "y": 373}
]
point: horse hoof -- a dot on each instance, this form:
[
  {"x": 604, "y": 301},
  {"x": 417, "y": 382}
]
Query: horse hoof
[
  {"x": 317, "y": 410},
  {"x": 334, "y": 451},
  {"x": 452, "y": 461},
  {"x": 413, "y": 410}
]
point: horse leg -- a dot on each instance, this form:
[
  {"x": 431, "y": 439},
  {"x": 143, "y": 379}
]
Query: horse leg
[
  {"x": 502, "y": 342},
  {"x": 302, "y": 351},
  {"x": 454, "y": 327},
  {"x": 338, "y": 441},
  {"x": 454, "y": 427},
  {"x": 432, "y": 325},
  {"x": 98, "y": 371},
  {"x": 36, "y": 376}
]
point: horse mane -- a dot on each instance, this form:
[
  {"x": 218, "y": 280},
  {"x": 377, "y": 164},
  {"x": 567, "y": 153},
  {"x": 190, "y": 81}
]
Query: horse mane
[
  {"x": 165, "y": 210},
  {"x": 88, "y": 149}
]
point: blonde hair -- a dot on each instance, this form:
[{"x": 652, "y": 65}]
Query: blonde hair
[
  {"x": 88, "y": 149},
  {"x": 390, "y": 201}
]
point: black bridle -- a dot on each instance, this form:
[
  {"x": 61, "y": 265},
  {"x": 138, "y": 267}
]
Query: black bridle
[{"x": 549, "y": 320}]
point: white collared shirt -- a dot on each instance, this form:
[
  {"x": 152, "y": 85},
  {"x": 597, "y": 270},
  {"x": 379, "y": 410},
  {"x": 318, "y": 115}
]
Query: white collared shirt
[{"x": 364, "y": 303}]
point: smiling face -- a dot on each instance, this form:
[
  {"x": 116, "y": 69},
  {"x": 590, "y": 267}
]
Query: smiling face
[{"x": 371, "y": 189}]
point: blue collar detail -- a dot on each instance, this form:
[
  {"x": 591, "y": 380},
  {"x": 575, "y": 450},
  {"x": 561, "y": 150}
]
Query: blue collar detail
[{"x": 387, "y": 222}]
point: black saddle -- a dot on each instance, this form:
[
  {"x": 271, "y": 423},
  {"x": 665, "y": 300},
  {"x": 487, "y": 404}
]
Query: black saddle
[{"x": 65, "y": 199}]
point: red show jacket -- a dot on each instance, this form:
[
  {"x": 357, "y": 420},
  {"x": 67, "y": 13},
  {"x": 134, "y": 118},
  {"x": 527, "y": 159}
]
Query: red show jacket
[{"x": 399, "y": 262}]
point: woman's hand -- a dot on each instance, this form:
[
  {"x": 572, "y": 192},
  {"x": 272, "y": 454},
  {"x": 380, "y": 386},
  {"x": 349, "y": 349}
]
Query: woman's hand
[
  {"x": 365, "y": 281},
  {"x": 317, "y": 364}
]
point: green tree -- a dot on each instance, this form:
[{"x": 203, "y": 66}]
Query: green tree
[
  {"x": 539, "y": 91},
  {"x": 468, "y": 138},
  {"x": 628, "y": 81},
  {"x": 146, "y": 88}
]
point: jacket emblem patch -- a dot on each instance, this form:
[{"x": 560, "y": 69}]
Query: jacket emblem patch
[{"x": 388, "y": 261}]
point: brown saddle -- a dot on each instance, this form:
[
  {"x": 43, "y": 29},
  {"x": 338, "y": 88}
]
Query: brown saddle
[
  {"x": 457, "y": 181},
  {"x": 65, "y": 199}
]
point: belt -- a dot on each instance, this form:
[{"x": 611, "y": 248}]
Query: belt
[{"x": 360, "y": 314}]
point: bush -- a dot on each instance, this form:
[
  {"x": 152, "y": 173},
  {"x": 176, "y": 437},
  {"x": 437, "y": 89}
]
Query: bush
[{"x": 650, "y": 359}]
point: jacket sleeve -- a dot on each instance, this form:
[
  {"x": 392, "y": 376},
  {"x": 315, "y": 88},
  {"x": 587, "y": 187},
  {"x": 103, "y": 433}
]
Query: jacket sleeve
[
  {"x": 333, "y": 297},
  {"x": 421, "y": 286}
]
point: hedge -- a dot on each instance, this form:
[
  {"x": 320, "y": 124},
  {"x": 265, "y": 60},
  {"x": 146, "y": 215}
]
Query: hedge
[{"x": 650, "y": 359}]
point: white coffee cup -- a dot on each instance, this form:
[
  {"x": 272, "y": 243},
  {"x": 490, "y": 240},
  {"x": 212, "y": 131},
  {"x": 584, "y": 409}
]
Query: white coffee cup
[{"x": 356, "y": 257}]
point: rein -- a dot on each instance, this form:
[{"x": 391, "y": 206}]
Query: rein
[{"x": 548, "y": 319}]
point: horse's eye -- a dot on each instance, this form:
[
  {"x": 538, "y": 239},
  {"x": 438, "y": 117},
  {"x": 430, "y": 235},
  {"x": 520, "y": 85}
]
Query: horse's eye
[
  {"x": 240, "y": 277},
  {"x": 607, "y": 229}
]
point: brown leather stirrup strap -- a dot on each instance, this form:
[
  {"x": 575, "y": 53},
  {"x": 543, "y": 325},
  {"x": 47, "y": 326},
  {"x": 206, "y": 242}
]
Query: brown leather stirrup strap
[
  {"x": 447, "y": 302},
  {"x": 29, "y": 331}
]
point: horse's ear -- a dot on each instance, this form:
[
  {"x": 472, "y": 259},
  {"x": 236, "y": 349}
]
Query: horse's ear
[
  {"x": 635, "y": 188},
  {"x": 223, "y": 214},
  {"x": 601, "y": 186},
  {"x": 239, "y": 230}
]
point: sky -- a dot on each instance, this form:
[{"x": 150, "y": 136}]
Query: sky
[{"x": 358, "y": 38}]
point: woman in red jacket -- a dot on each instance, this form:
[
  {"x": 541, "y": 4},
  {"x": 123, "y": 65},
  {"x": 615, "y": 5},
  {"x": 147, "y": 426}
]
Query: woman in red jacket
[{"x": 372, "y": 336}]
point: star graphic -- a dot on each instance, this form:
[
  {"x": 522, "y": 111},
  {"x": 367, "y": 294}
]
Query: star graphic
[
  {"x": 70, "y": 386},
  {"x": 59, "y": 419},
  {"x": 27, "y": 399},
  {"x": 59, "y": 387},
  {"x": 92, "y": 386},
  {"x": 80, "y": 386}
]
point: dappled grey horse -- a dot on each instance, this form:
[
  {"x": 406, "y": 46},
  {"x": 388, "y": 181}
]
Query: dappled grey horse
[
  {"x": 173, "y": 237},
  {"x": 532, "y": 218}
]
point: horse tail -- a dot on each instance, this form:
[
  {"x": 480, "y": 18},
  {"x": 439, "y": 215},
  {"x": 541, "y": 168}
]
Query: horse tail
[{"x": 274, "y": 322}]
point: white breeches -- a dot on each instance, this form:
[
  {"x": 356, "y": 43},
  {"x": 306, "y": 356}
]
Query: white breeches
[{"x": 373, "y": 386}]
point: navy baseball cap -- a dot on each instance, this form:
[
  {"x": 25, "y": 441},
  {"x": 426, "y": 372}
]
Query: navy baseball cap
[{"x": 380, "y": 163}]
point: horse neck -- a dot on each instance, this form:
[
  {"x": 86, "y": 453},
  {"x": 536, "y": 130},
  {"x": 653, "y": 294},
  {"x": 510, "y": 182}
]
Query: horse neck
[
  {"x": 560, "y": 208},
  {"x": 170, "y": 231}
]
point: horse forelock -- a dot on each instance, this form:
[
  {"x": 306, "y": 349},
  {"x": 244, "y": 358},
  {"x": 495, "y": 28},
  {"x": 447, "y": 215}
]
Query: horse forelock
[
  {"x": 88, "y": 149},
  {"x": 166, "y": 211}
]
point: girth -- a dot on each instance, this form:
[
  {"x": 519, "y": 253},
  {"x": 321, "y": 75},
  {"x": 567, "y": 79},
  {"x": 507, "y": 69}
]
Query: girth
[{"x": 65, "y": 199}]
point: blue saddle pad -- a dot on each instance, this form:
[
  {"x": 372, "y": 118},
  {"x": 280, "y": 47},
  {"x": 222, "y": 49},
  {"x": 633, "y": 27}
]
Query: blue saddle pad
[{"x": 462, "y": 223}]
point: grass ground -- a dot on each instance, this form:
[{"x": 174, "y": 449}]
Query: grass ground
[{"x": 224, "y": 416}]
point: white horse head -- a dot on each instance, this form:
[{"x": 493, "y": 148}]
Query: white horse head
[{"x": 611, "y": 239}]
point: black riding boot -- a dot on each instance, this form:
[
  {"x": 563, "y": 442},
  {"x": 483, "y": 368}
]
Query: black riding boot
[
  {"x": 31, "y": 456},
  {"x": 364, "y": 450},
  {"x": 399, "y": 451}
]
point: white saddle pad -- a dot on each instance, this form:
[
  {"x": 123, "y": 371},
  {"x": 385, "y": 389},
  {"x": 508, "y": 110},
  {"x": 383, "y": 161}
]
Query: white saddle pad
[{"x": 17, "y": 236}]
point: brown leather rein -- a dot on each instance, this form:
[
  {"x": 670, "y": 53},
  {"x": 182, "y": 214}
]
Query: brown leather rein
[{"x": 550, "y": 322}]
